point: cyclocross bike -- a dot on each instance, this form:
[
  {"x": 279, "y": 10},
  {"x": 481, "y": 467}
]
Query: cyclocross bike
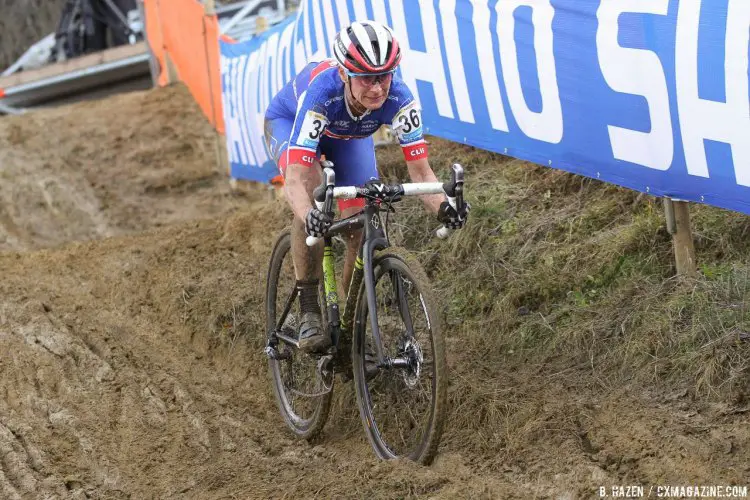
[{"x": 389, "y": 338}]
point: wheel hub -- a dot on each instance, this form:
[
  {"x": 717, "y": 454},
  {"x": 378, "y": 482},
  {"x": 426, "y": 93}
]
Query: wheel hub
[{"x": 415, "y": 358}]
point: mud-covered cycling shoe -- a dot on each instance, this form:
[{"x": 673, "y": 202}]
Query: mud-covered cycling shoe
[{"x": 312, "y": 336}]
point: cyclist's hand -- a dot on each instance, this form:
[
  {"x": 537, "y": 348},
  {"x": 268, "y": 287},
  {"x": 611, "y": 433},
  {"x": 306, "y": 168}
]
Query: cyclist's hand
[
  {"x": 317, "y": 223},
  {"x": 450, "y": 217}
]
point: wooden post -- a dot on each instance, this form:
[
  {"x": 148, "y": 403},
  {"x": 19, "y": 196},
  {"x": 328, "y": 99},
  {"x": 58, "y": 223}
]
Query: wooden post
[
  {"x": 172, "y": 75},
  {"x": 222, "y": 156},
  {"x": 678, "y": 225}
]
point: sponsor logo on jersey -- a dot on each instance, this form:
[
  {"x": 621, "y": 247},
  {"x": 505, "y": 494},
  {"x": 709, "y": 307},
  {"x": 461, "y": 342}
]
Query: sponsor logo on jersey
[
  {"x": 370, "y": 125},
  {"x": 333, "y": 99}
]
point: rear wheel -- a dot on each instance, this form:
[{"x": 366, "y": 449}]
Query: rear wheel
[
  {"x": 402, "y": 404},
  {"x": 304, "y": 398}
]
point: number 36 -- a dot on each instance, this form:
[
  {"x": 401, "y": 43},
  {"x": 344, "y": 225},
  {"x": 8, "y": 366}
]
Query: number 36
[{"x": 410, "y": 122}]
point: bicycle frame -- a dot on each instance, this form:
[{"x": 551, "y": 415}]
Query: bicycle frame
[{"x": 373, "y": 240}]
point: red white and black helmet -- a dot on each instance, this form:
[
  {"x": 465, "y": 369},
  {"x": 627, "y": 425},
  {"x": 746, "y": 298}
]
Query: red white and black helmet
[{"x": 367, "y": 48}]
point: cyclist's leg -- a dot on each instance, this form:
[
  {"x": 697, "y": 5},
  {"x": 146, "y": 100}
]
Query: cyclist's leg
[
  {"x": 307, "y": 260},
  {"x": 355, "y": 164}
]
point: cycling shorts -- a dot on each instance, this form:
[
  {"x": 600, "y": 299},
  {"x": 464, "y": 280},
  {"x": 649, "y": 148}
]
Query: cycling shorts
[{"x": 353, "y": 159}]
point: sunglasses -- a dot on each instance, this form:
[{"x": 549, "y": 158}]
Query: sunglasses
[{"x": 371, "y": 80}]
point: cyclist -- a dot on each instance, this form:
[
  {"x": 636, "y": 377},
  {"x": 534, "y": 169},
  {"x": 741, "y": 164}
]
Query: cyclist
[{"x": 332, "y": 108}]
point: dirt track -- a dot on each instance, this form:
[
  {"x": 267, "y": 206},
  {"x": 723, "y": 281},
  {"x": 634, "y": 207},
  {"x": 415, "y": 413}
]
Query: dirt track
[{"x": 130, "y": 339}]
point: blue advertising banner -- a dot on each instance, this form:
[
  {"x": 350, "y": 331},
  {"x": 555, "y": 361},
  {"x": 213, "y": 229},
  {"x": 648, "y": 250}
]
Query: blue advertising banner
[{"x": 652, "y": 95}]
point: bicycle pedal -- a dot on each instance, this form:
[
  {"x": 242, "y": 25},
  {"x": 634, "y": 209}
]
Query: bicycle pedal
[{"x": 325, "y": 368}]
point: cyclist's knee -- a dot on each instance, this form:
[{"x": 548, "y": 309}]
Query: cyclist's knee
[
  {"x": 352, "y": 237},
  {"x": 352, "y": 240}
]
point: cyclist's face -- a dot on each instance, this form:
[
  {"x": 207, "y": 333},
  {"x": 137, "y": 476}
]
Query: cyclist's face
[{"x": 371, "y": 91}]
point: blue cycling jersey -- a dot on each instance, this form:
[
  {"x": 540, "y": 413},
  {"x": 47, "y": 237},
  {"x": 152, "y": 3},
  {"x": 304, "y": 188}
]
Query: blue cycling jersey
[{"x": 314, "y": 100}]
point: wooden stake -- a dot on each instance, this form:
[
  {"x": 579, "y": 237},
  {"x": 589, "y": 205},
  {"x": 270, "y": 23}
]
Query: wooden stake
[
  {"x": 678, "y": 224},
  {"x": 172, "y": 75}
]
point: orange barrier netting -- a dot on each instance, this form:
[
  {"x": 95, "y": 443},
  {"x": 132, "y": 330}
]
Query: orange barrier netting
[{"x": 181, "y": 29}]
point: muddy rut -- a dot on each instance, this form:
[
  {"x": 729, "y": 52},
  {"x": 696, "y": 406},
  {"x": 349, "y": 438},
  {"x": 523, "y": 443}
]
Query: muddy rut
[{"x": 131, "y": 323}]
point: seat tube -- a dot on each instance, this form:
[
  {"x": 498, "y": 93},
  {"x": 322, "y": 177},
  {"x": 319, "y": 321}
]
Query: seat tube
[
  {"x": 354, "y": 284},
  {"x": 329, "y": 284}
]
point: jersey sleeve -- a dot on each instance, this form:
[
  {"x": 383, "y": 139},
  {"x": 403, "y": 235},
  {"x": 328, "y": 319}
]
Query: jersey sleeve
[
  {"x": 407, "y": 124},
  {"x": 309, "y": 124}
]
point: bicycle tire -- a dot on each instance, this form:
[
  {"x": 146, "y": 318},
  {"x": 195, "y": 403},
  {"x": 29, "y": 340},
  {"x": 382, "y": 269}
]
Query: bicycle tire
[
  {"x": 399, "y": 265},
  {"x": 310, "y": 425}
]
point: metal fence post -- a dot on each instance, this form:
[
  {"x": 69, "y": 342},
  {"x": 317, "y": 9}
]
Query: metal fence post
[{"x": 153, "y": 64}]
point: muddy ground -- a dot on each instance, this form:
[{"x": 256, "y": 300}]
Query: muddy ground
[{"x": 131, "y": 292}]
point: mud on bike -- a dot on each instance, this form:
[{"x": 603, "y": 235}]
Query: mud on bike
[{"x": 389, "y": 337}]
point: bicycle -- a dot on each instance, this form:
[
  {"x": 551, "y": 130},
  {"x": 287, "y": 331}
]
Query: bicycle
[{"x": 390, "y": 327}]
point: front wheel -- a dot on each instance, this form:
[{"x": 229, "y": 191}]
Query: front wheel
[{"x": 402, "y": 403}]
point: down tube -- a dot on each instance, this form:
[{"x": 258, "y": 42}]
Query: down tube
[{"x": 373, "y": 241}]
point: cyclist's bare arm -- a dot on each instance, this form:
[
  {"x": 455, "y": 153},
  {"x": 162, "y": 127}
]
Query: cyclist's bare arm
[
  {"x": 300, "y": 181},
  {"x": 420, "y": 171}
]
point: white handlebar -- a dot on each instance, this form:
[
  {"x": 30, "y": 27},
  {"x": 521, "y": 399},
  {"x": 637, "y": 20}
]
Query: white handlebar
[{"x": 410, "y": 189}]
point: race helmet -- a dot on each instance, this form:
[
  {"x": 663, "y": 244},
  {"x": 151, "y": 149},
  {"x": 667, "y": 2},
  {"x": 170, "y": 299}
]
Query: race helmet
[{"x": 367, "y": 48}]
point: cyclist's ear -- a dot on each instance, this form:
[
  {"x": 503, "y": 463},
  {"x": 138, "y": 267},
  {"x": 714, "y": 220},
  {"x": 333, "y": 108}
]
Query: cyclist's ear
[{"x": 342, "y": 74}]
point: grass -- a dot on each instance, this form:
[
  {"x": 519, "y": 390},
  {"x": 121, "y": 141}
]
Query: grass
[{"x": 557, "y": 266}]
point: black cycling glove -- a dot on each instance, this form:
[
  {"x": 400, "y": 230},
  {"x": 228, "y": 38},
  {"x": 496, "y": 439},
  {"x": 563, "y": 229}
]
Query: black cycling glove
[
  {"x": 317, "y": 223},
  {"x": 450, "y": 217}
]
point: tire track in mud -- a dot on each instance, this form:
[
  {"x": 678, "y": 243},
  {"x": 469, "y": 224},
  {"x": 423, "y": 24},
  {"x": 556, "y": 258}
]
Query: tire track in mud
[
  {"x": 177, "y": 413},
  {"x": 82, "y": 172},
  {"x": 96, "y": 415}
]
